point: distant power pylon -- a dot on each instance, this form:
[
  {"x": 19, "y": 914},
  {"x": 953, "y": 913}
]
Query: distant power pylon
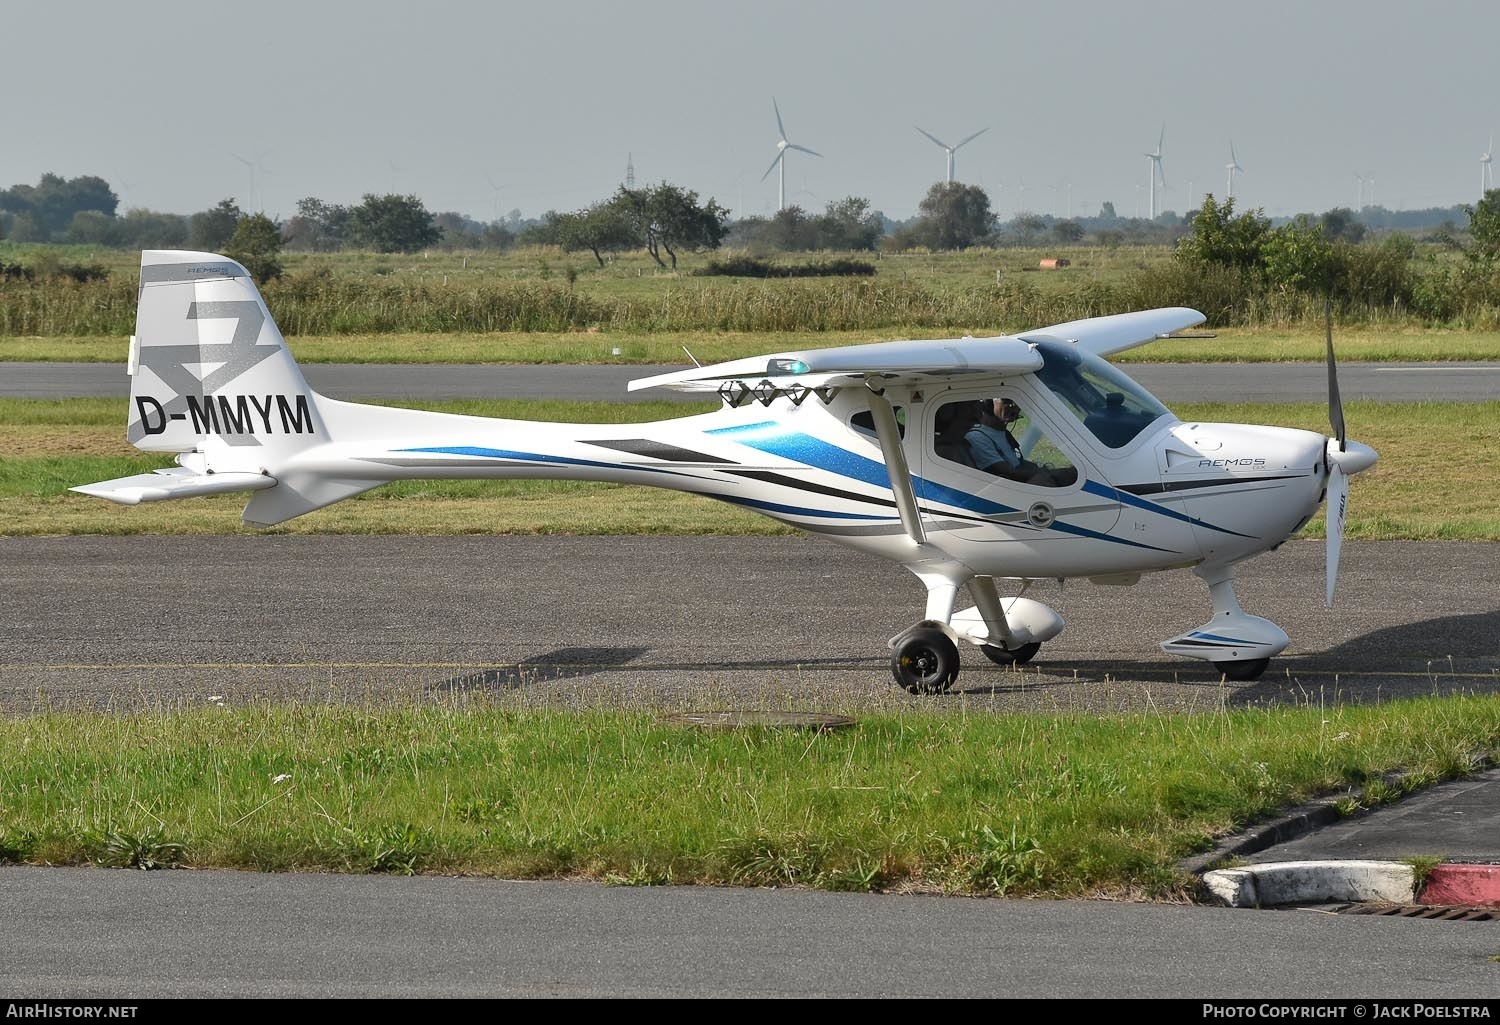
[{"x": 629, "y": 171}]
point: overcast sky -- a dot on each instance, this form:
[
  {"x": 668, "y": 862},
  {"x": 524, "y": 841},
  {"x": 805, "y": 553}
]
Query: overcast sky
[{"x": 486, "y": 107}]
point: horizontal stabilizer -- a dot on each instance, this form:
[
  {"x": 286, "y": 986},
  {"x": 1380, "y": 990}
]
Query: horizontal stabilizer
[{"x": 175, "y": 482}]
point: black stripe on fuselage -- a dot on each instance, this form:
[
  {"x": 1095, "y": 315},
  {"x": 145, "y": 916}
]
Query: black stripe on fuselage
[
  {"x": 658, "y": 450},
  {"x": 1189, "y": 485}
]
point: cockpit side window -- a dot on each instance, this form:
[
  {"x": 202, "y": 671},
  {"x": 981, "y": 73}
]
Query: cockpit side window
[
  {"x": 1113, "y": 407},
  {"x": 996, "y": 437},
  {"x": 864, "y": 422}
]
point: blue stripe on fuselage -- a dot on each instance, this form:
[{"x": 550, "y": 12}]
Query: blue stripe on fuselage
[
  {"x": 1126, "y": 498},
  {"x": 773, "y": 438},
  {"x": 500, "y": 453}
]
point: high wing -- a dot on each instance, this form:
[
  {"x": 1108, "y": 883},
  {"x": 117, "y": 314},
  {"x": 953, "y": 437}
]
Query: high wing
[
  {"x": 890, "y": 362},
  {"x": 914, "y": 362},
  {"x": 1104, "y": 335}
]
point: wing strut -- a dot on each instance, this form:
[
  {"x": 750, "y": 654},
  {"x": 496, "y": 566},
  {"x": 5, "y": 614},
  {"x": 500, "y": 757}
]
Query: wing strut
[{"x": 895, "y": 466}]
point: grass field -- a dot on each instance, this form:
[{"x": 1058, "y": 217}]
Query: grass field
[
  {"x": 541, "y": 290},
  {"x": 961, "y": 801},
  {"x": 1241, "y": 345},
  {"x": 1424, "y": 486}
]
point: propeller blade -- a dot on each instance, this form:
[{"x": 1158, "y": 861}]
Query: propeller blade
[
  {"x": 1338, "y": 504},
  {"x": 779, "y": 155},
  {"x": 802, "y": 149},
  {"x": 779, "y": 126},
  {"x": 1335, "y": 404}
]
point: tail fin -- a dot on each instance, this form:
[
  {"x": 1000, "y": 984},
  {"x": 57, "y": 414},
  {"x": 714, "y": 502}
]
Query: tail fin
[
  {"x": 209, "y": 367},
  {"x": 213, "y": 381}
]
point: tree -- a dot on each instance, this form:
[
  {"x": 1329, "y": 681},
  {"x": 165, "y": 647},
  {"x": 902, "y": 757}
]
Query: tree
[
  {"x": 392, "y": 224},
  {"x": 1339, "y": 224},
  {"x": 605, "y": 227},
  {"x": 1298, "y": 256},
  {"x": 849, "y": 223},
  {"x": 147, "y": 229},
  {"x": 1068, "y": 232},
  {"x": 955, "y": 216},
  {"x": 318, "y": 226},
  {"x": 1220, "y": 237},
  {"x": 678, "y": 222},
  {"x": 1028, "y": 226},
  {"x": 28, "y": 227},
  {"x": 256, "y": 245},
  {"x": 91, "y": 227},
  {"x": 1107, "y": 211},
  {"x": 1484, "y": 228},
  {"x": 54, "y": 201},
  {"x": 667, "y": 218},
  {"x": 211, "y": 230}
]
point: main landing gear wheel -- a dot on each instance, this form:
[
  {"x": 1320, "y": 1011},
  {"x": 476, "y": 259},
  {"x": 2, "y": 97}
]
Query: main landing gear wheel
[
  {"x": 1011, "y": 656},
  {"x": 1243, "y": 669},
  {"x": 925, "y": 662}
]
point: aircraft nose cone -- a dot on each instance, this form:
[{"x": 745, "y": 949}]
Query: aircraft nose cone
[{"x": 1355, "y": 458}]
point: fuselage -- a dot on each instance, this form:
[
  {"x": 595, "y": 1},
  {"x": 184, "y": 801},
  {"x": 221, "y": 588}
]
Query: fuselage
[{"x": 1154, "y": 494}]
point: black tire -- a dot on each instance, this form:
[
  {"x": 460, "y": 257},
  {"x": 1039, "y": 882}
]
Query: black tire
[
  {"x": 925, "y": 662},
  {"x": 1244, "y": 669},
  {"x": 1006, "y": 657}
]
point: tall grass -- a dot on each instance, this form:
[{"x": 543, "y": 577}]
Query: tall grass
[{"x": 322, "y": 303}]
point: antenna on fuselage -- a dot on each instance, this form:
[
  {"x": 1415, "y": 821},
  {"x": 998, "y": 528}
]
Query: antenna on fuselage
[{"x": 692, "y": 357}]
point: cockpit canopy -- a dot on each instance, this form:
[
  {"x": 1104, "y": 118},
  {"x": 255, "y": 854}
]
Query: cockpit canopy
[{"x": 1113, "y": 407}]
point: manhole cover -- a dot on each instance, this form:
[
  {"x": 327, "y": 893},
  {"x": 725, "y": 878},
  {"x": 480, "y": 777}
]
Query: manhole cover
[{"x": 735, "y": 720}]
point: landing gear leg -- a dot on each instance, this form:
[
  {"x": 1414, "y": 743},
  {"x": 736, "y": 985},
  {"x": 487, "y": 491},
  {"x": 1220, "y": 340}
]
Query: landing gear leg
[
  {"x": 1008, "y": 649},
  {"x": 1239, "y": 645},
  {"x": 924, "y": 659}
]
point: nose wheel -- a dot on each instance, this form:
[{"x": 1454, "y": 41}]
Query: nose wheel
[
  {"x": 1243, "y": 669},
  {"x": 925, "y": 661},
  {"x": 1011, "y": 656}
]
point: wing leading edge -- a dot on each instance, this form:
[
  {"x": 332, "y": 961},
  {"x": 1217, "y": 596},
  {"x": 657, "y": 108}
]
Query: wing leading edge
[{"x": 918, "y": 361}]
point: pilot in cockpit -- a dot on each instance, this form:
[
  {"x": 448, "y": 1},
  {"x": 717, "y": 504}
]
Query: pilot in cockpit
[
  {"x": 994, "y": 449},
  {"x": 991, "y": 445}
]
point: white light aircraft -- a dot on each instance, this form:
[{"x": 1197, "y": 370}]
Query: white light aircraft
[{"x": 867, "y": 445}]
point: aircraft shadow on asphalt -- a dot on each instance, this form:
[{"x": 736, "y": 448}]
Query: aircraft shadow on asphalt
[{"x": 1442, "y": 655}]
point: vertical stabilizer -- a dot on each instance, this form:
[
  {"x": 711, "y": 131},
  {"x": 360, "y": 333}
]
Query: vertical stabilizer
[{"x": 210, "y": 371}]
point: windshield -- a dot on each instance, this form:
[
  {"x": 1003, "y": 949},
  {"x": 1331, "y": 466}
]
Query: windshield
[{"x": 1113, "y": 407}]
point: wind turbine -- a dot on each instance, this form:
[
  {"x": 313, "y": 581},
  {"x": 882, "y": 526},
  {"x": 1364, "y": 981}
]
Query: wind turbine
[
  {"x": 495, "y": 188},
  {"x": 1232, "y": 167},
  {"x": 253, "y": 166},
  {"x": 781, "y": 148},
  {"x": 1486, "y": 171},
  {"x": 1156, "y": 170},
  {"x": 1360, "y": 203},
  {"x": 951, "y": 149}
]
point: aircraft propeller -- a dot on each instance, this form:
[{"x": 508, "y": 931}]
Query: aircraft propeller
[{"x": 1342, "y": 458}]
